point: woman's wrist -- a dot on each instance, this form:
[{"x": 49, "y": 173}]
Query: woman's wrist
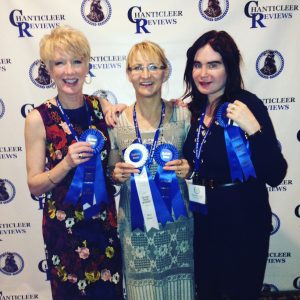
[
  {"x": 67, "y": 167},
  {"x": 189, "y": 174},
  {"x": 254, "y": 134},
  {"x": 50, "y": 179},
  {"x": 110, "y": 174}
]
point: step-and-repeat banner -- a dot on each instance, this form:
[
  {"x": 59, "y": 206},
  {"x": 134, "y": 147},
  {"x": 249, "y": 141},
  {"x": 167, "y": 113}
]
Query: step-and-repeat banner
[{"x": 267, "y": 33}]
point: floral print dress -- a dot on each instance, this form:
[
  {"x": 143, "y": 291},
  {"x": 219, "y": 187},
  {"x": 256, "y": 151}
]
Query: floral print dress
[{"x": 83, "y": 255}]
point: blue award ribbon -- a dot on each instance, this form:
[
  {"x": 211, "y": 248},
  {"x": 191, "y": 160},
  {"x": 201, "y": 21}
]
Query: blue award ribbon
[
  {"x": 137, "y": 154},
  {"x": 88, "y": 180},
  {"x": 167, "y": 182},
  {"x": 238, "y": 154}
]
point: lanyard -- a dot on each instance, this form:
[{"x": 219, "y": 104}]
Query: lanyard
[
  {"x": 67, "y": 120},
  {"x": 156, "y": 135},
  {"x": 199, "y": 145}
]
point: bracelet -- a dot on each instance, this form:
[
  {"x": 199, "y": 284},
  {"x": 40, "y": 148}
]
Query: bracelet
[
  {"x": 189, "y": 174},
  {"x": 256, "y": 133},
  {"x": 48, "y": 174}
]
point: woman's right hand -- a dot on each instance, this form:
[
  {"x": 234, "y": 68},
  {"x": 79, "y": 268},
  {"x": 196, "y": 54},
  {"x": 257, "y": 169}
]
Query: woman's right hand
[
  {"x": 122, "y": 171},
  {"x": 112, "y": 114},
  {"x": 78, "y": 153}
]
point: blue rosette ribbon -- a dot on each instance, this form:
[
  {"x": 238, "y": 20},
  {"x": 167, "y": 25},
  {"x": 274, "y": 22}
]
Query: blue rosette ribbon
[
  {"x": 88, "y": 184},
  {"x": 240, "y": 163},
  {"x": 137, "y": 155},
  {"x": 167, "y": 182}
]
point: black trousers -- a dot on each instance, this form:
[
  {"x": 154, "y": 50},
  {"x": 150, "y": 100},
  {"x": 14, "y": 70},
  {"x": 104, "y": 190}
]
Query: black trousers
[{"x": 230, "y": 258}]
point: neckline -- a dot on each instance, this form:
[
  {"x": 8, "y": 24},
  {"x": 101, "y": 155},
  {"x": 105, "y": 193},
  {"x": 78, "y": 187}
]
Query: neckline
[
  {"x": 165, "y": 121},
  {"x": 74, "y": 109}
]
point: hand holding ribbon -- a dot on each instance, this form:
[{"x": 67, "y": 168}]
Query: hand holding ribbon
[
  {"x": 123, "y": 170},
  {"x": 74, "y": 156},
  {"x": 147, "y": 207},
  {"x": 180, "y": 166},
  {"x": 242, "y": 116},
  {"x": 88, "y": 184},
  {"x": 238, "y": 154}
]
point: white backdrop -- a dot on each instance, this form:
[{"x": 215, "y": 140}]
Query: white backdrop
[{"x": 261, "y": 28}]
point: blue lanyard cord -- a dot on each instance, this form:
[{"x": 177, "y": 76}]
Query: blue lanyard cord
[
  {"x": 67, "y": 120},
  {"x": 156, "y": 135},
  {"x": 199, "y": 145}
]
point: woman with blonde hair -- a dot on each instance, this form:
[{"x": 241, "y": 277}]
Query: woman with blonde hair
[
  {"x": 67, "y": 147},
  {"x": 155, "y": 226}
]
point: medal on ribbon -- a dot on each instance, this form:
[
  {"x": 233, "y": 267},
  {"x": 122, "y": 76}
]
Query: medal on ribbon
[
  {"x": 238, "y": 154},
  {"x": 88, "y": 180},
  {"x": 147, "y": 207},
  {"x": 167, "y": 182},
  {"x": 136, "y": 154}
]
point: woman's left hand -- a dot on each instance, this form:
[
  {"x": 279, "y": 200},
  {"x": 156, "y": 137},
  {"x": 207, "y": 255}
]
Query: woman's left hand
[
  {"x": 243, "y": 117},
  {"x": 180, "y": 166}
]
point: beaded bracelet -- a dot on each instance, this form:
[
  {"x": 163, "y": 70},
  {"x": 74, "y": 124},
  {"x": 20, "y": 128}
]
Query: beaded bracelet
[{"x": 48, "y": 174}]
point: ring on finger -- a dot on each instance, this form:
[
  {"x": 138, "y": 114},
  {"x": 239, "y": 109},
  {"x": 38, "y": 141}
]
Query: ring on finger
[{"x": 80, "y": 156}]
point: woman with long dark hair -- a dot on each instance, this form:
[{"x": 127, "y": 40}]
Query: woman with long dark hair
[{"x": 233, "y": 151}]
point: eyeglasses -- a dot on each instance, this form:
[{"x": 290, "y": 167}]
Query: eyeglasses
[{"x": 152, "y": 68}]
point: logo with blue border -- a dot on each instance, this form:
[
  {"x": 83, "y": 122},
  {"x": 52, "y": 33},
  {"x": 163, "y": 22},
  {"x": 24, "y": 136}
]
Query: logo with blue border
[
  {"x": 297, "y": 211},
  {"x": 43, "y": 267},
  {"x": 2, "y": 108},
  {"x": 26, "y": 109},
  {"x": 7, "y": 191},
  {"x": 275, "y": 223},
  {"x": 40, "y": 199},
  {"x": 296, "y": 283},
  {"x": 96, "y": 13},
  {"x": 269, "y": 64},
  {"x": 11, "y": 263},
  {"x": 213, "y": 10},
  {"x": 106, "y": 94},
  {"x": 269, "y": 288},
  {"x": 170, "y": 69},
  {"x": 39, "y": 75}
]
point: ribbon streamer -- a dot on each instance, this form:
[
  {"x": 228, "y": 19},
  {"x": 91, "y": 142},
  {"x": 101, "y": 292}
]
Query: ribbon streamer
[
  {"x": 167, "y": 182},
  {"x": 238, "y": 154},
  {"x": 147, "y": 206},
  {"x": 88, "y": 184}
]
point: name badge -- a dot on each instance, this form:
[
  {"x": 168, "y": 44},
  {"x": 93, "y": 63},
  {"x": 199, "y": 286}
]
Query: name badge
[{"x": 197, "y": 193}]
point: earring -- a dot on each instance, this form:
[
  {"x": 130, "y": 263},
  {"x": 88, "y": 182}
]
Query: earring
[
  {"x": 54, "y": 85},
  {"x": 88, "y": 81}
]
